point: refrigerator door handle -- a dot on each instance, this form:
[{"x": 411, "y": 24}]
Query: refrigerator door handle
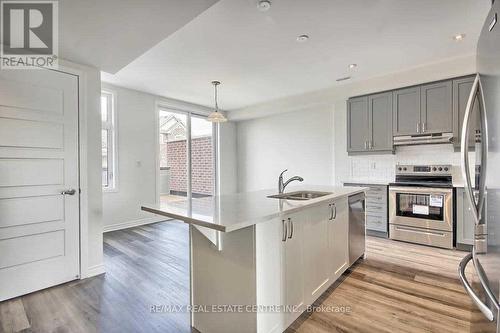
[
  {"x": 479, "y": 303},
  {"x": 484, "y": 150},
  {"x": 465, "y": 150}
]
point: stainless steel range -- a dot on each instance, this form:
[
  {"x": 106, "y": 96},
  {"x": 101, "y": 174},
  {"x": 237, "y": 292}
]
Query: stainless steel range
[{"x": 421, "y": 205}]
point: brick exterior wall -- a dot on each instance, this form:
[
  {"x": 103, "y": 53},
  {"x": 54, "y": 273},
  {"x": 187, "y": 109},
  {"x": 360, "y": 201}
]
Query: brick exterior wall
[{"x": 173, "y": 155}]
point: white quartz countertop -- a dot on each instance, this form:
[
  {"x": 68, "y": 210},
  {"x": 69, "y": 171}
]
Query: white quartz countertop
[
  {"x": 232, "y": 212},
  {"x": 367, "y": 181}
]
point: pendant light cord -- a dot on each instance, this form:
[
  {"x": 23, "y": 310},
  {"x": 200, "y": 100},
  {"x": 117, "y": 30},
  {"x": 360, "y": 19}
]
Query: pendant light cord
[{"x": 216, "y": 105}]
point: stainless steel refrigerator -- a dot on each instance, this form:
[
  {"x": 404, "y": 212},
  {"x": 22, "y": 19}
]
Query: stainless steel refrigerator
[{"x": 482, "y": 175}]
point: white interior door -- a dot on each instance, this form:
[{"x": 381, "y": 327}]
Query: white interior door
[{"x": 39, "y": 226}]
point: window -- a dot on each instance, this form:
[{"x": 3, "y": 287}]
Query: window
[
  {"x": 108, "y": 133},
  {"x": 187, "y": 156}
]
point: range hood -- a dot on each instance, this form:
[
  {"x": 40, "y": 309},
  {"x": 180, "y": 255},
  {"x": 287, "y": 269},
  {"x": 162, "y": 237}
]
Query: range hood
[{"x": 423, "y": 139}]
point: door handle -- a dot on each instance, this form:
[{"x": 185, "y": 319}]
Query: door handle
[
  {"x": 284, "y": 231},
  {"x": 484, "y": 149},
  {"x": 480, "y": 237},
  {"x": 290, "y": 222},
  {"x": 479, "y": 303},
  {"x": 464, "y": 149},
  {"x": 69, "y": 192}
]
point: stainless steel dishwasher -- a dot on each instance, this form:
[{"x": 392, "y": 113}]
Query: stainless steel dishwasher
[{"x": 357, "y": 227}]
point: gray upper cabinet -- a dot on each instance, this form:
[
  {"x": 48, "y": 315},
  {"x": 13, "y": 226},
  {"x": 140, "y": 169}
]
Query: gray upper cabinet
[
  {"x": 433, "y": 108},
  {"x": 436, "y": 108},
  {"x": 369, "y": 123},
  {"x": 357, "y": 124},
  {"x": 406, "y": 111},
  {"x": 380, "y": 121},
  {"x": 461, "y": 92}
]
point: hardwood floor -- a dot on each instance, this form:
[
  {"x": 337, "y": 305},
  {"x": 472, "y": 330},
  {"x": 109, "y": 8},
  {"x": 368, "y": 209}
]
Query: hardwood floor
[
  {"x": 145, "y": 266},
  {"x": 399, "y": 287}
]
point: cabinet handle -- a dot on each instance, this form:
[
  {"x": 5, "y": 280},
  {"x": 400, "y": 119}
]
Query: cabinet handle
[
  {"x": 290, "y": 222},
  {"x": 418, "y": 126},
  {"x": 284, "y": 231},
  {"x": 423, "y": 126},
  {"x": 366, "y": 144},
  {"x": 371, "y": 144},
  {"x": 334, "y": 212}
]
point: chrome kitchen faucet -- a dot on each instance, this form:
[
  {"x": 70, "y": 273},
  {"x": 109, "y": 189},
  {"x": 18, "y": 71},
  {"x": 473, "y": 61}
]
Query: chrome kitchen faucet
[{"x": 281, "y": 185}]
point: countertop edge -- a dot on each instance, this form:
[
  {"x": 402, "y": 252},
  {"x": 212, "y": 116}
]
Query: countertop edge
[
  {"x": 185, "y": 219},
  {"x": 249, "y": 223}
]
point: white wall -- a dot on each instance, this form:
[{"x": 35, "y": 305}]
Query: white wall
[
  {"x": 228, "y": 159},
  {"x": 300, "y": 142},
  {"x": 136, "y": 145},
  {"x": 136, "y": 151},
  {"x": 307, "y": 133}
]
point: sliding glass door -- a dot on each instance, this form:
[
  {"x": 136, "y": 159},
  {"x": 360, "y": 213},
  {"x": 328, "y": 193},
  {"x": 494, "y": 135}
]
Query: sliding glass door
[
  {"x": 186, "y": 156},
  {"x": 202, "y": 157}
]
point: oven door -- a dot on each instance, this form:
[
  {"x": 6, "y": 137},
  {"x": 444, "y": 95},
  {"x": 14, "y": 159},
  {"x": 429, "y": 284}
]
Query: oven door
[{"x": 421, "y": 207}]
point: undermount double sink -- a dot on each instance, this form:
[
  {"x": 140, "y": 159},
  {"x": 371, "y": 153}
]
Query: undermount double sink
[{"x": 300, "y": 195}]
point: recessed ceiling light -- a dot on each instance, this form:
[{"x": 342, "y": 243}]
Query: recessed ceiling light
[
  {"x": 264, "y": 5},
  {"x": 352, "y": 66},
  {"x": 459, "y": 37},
  {"x": 302, "y": 38},
  {"x": 345, "y": 78}
]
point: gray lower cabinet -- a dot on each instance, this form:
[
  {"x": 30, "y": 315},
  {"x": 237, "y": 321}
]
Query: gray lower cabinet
[
  {"x": 369, "y": 123},
  {"x": 436, "y": 114},
  {"x": 461, "y": 92},
  {"x": 376, "y": 208},
  {"x": 465, "y": 219},
  {"x": 406, "y": 111}
]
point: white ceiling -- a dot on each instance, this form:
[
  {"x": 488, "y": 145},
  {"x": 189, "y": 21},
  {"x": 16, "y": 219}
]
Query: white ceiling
[
  {"x": 109, "y": 34},
  {"x": 257, "y": 57}
]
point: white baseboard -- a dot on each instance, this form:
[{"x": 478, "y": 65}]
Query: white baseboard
[
  {"x": 95, "y": 270},
  {"x": 134, "y": 223}
]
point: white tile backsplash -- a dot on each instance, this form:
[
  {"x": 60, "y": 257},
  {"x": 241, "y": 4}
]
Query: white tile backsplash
[{"x": 382, "y": 167}]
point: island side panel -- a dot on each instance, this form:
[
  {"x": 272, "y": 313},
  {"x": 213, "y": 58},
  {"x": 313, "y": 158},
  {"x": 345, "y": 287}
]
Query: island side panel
[
  {"x": 270, "y": 276},
  {"x": 223, "y": 278}
]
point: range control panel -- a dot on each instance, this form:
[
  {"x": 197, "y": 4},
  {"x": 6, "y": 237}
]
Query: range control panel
[{"x": 442, "y": 169}]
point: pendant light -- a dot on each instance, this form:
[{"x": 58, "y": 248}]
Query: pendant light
[{"x": 216, "y": 116}]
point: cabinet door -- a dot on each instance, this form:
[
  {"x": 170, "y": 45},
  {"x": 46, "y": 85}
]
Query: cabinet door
[
  {"x": 461, "y": 91},
  {"x": 436, "y": 104},
  {"x": 338, "y": 242},
  {"x": 357, "y": 124},
  {"x": 406, "y": 111},
  {"x": 465, "y": 219},
  {"x": 316, "y": 277},
  {"x": 294, "y": 265},
  {"x": 380, "y": 121}
]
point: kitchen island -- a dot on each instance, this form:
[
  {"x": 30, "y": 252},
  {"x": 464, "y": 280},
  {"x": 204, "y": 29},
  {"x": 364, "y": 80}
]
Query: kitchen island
[{"x": 256, "y": 262}]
